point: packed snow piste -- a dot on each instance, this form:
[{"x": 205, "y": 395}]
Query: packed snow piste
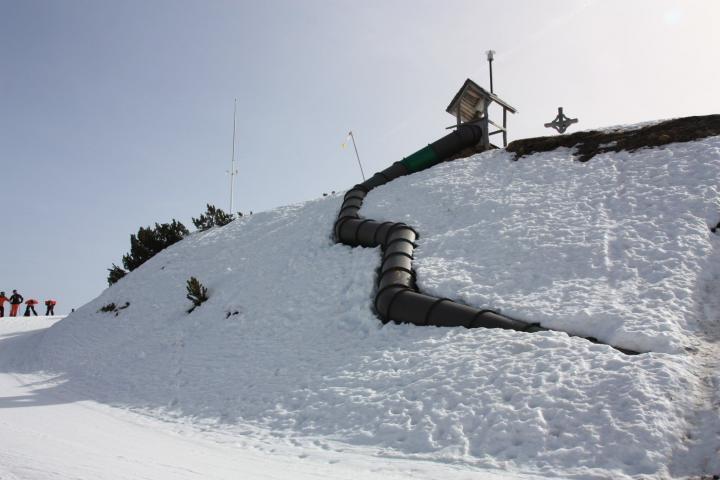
[{"x": 397, "y": 298}]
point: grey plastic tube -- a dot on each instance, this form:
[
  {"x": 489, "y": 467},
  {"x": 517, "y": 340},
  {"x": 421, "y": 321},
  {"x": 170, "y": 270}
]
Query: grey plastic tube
[
  {"x": 396, "y": 297},
  {"x": 394, "y": 171}
]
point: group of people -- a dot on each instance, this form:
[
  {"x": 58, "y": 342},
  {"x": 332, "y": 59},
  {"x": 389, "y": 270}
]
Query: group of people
[{"x": 16, "y": 300}]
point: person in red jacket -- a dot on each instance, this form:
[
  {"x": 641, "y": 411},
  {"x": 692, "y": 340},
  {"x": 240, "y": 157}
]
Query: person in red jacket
[
  {"x": 31, "y": 302},
  {"x": 15, "y": 300},
  {"x": 50, "y": 307},
  {"x": 3, "y": 299}
]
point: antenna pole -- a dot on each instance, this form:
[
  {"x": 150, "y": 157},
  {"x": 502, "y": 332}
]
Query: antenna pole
[
  {"x": 357, "y": 155},
  {"x": 490, "y": 57},
  {"x": 232, "y": 161}
]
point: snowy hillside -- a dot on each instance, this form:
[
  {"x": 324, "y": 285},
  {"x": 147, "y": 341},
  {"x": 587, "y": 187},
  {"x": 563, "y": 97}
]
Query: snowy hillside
[{"x": 617, "y": 248}]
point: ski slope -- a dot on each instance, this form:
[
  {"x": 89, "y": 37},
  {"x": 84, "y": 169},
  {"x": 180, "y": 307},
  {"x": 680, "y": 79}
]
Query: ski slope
[
  {"x": 287, "y": 350},
  {"x": 49, "y": 433}
]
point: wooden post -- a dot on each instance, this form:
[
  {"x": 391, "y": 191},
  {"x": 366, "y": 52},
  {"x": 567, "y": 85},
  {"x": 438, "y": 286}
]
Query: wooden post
[
  {"x": 486, "y": 124},
  {"x": 459, "y": 103},
  {"x": 504, "y": 127}
]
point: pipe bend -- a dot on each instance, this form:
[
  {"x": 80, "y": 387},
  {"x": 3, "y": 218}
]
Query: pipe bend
[
  {"x": 357, "y": 230},
  {"x": 396, "y": 278},
  {"x": 337, "y": 226},
  {"x": 383, "y": 225},
  {"x": 374, "y": 182},
  {"x": 384, "y": 299},
  {"x": 398, "y": 226},
  {"x": 353, "y": 201},
  {"x": 355, "y": 193}
]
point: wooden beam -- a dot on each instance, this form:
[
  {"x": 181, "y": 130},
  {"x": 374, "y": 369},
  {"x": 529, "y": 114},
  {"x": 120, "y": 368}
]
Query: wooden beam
[
  {"x": 496, "y": 125},
  {"x": 504, "y": 127}
]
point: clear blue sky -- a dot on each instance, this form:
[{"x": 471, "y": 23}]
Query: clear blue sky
[{"x": 115, "y": 115}]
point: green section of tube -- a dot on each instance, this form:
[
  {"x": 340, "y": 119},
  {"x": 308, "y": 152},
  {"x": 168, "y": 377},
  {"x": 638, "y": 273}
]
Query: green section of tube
[{"x": 420, "y": 160}]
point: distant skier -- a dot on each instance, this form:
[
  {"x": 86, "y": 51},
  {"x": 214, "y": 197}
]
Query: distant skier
[
  {"x": 3, "y": 299},
  {"x": 15, "y": 300},
  {"x": 30, "y": 306},
  {"x": 50, "y": 307}
]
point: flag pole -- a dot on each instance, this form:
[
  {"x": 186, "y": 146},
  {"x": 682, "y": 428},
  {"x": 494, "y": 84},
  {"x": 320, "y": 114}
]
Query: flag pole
[{"x": 357, "y": 155}]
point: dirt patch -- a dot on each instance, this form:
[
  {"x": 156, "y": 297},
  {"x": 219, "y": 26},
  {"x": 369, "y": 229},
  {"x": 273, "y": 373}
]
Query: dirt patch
[{"x": 590, "y": 143}]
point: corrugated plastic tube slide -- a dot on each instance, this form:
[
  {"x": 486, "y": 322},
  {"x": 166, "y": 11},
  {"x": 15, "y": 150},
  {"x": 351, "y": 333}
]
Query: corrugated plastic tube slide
[{"x": 397, "y": 298}]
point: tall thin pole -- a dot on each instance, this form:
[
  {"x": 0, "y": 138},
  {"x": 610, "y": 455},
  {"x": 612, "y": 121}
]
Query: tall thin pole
[
  {"x": 490, "y": 57},
  {"x": 232, "y": 161},
  {"x": 357, "y": 155},
  {"x": 492, "y": 90}
]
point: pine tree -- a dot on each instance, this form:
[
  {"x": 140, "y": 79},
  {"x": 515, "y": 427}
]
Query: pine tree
[
  {"x": 116, "y": 273},
  {"x": 212, "y": 217},
  {"x": 196, "y": 293},
  {"x": 149, "y": 241}
]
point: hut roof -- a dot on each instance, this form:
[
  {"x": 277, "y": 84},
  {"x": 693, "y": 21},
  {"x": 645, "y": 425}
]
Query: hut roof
[{"x": 469, "y": 96}]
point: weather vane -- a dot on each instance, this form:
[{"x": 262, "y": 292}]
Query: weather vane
[{"x": 561, "y": 122}]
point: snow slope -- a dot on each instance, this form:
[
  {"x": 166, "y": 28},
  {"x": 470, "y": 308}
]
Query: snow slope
[
  {"x": 617, "y": 248},
  {"x": 49, "y": 433}
]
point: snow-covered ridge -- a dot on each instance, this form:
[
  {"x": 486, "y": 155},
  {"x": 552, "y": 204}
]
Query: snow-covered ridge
[
  {"x": 588, "y": 143},
  {"x": 617, "y": 248}
]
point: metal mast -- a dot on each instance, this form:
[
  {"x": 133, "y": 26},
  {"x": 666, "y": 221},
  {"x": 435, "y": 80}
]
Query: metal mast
[
  {"x": 490, "y": 57},
  {"x": 233, "y": 171}
]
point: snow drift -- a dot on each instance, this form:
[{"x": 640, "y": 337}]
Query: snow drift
[{"x": 617, "y": 248}]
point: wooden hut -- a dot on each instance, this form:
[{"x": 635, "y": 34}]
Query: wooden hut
[{"x": 471, "y": 105}]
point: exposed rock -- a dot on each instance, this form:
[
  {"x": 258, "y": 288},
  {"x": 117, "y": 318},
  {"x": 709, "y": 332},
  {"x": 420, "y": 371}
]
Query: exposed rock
[{"x": 587, "y": 144}]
